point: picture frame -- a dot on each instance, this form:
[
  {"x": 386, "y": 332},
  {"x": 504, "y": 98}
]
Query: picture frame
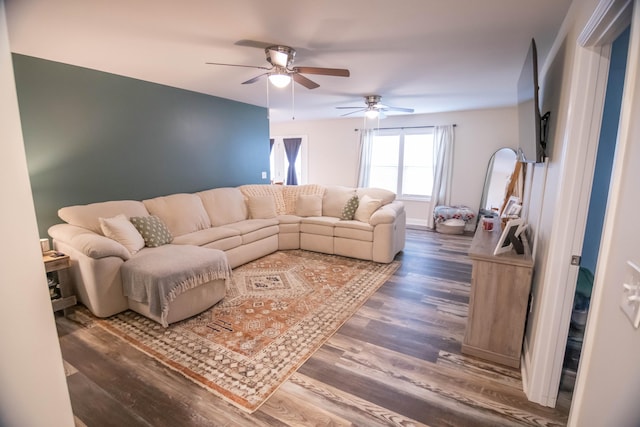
[
  {"x": 512, "y": 208},
  {"x": 509, "y": 237}
]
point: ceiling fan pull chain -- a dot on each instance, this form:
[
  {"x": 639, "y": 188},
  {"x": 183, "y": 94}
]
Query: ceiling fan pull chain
[
  {"x": 268, "y": 106},
  {"x": 293, "y": 102}
]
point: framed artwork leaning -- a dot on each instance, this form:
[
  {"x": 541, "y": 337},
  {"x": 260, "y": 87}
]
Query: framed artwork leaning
[{"x": 510, "y": 237}]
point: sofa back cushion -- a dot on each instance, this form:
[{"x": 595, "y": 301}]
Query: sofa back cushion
[
  {"x": 224, "y": 205},
  {"x": 309, "y": 205},
  {"x": 335, "y": 199},
  {"x": 88, "y": 216},
  {"x": 181, "y": 213},
  {"x": 385, "y": 196},
  {"x": 262, "y": 207}
]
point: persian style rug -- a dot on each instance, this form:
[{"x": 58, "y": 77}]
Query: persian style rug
[{"x": 277, "y": 312}]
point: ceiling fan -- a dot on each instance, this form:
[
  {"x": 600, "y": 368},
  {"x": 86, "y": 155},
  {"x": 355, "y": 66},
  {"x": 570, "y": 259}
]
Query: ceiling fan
[
  {"x": 282, "y": 70},
  {"x": 374, "y": 108}
]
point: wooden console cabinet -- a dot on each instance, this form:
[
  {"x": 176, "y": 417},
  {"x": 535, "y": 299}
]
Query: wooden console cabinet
[{"x": 500, "y": 286}]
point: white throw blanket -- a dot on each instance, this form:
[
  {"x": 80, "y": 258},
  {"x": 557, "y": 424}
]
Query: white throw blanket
[{"x": 156, "y": 276}]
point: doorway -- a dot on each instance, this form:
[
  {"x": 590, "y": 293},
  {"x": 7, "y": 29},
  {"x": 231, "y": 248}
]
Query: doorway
[{"x": 597, "y": 207}]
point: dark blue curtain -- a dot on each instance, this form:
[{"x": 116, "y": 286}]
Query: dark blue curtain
[{"x": 291, "y": 148}]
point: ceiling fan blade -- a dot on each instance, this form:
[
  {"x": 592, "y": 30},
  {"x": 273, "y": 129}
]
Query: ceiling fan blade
[
  {"x": 254, "y": 43},
  {"x": 255, "y": 79},
  {"x": 309, "y": 84},
  {"x": 238, "y": 65},
  {"x": 352, "y": 112},
  {"x": 405, "y": 110},
  {"x": 338, "y": 72},
  {"x": 344, "y": 108}
]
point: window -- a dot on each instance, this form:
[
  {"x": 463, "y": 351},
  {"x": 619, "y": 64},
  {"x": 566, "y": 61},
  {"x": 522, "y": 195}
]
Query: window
[
  {"x": 402, "y": 162},
  {"x": 279, "y": 165}
]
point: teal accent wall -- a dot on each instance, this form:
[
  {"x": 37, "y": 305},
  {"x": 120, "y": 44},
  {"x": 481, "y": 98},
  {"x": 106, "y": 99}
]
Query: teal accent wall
[{"x": 92, "y": 136}]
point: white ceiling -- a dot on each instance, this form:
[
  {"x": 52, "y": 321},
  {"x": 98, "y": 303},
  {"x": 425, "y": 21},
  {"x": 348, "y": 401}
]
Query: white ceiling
[{"x": 430, "y": 55}]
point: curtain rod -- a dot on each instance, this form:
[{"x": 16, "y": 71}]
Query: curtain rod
[{"x": 403, "y": 127}]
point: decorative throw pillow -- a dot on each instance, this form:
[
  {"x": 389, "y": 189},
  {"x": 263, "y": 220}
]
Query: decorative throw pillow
[
  {"x": 262, "y": 207},
  {"x": 366, "y": 207},
  {"x": 309, "y": 205},
  {"x": 349, "y": 210},
  {"x": 153, "y": 230},
  {"x": 120, "y": 229}
]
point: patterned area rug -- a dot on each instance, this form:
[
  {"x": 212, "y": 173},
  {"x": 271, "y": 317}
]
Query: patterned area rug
[{"x": 278, "y": 311}]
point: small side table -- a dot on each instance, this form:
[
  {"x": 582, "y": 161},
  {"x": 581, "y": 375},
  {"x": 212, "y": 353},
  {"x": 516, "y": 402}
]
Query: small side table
[{"x": 57, "y": 267}]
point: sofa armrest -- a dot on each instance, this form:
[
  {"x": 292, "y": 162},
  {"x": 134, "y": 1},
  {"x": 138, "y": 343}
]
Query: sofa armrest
[
  {"x": 87, "y": 242},
  {"x": 387, "y": 214}
]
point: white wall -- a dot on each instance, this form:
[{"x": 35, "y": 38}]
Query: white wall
[
  {"x": 33, "y": 389},
  {"x": 333, "y": 149}
]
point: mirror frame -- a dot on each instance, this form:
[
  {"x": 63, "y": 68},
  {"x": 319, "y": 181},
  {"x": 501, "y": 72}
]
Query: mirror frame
[{"x": 487, "y": 182}]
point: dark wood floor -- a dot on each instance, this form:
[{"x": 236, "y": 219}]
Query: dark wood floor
[{"x": 397, "y": 361}]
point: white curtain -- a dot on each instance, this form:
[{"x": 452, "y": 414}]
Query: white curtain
[
  {"x": 364, "y": 158},
  {"x": 442, "y": 169}
]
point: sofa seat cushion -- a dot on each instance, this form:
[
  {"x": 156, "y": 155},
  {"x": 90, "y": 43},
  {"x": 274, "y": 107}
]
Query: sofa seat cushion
[
  {"x": 290, "y": 228},
  {"x": 327, "y": 221},
  {"x": 321, "y": 225},
  {"x": 182, "y": 213},
  {"x": 250, "y": 225},
  {"x": 227, "y": 244},
  {"x": 289, "y": 223},
  {"x": 353, "y": 225},
  {"x": 203, "y": 237},
  {"x": 289, "y": 219},
  {"x": 252, "y": 230},
  {"x": 260, "y": 234},
  {"x": 355, "y": 230}
]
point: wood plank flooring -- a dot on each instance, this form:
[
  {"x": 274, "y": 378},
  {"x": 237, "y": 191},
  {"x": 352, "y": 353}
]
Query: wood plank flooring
[{"x": 396, "y": 362}]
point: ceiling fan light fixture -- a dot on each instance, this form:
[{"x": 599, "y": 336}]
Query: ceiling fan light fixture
[
  {"x": 371, "y": 113},
  {"x": 279, "y": 80}
]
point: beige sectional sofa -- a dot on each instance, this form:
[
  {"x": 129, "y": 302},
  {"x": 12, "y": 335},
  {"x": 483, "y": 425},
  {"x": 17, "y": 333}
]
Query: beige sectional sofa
[{"x": 245, "y": 222}]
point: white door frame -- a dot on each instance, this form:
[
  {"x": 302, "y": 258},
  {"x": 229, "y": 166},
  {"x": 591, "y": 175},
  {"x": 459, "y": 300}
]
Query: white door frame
[{"x": 542, "y": 364}]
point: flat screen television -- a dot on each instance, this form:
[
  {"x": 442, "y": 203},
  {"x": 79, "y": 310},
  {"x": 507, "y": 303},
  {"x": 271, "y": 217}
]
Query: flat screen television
[{"x": 531, "y": 144}]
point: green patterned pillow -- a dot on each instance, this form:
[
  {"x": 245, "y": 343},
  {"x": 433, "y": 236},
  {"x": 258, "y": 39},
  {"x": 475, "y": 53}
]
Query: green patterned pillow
[
  {"x": 153, "y": 230},
  {"x": 349, "y": 210}
]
